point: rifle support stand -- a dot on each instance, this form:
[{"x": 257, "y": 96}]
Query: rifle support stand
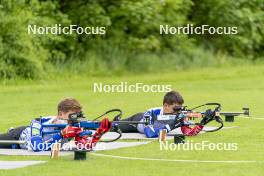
[
  {"x": 163, "y": 135},
  {"x": 179, "y": 139},
  {"x": 55, "y": 150},
  {"x": 80, "y": 155},
  {"x": 229, "y": 118}
]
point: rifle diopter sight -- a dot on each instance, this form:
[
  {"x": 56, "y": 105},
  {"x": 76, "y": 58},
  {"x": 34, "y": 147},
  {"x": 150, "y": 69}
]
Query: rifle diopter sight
[
  {"x": 178, "y": 109},
  {"x": 76, "y": 117}
]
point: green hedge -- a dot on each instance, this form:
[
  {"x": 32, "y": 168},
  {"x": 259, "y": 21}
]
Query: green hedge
[
  {"x": 132, "y": 41},
  {"x": 248, "y": 16}
]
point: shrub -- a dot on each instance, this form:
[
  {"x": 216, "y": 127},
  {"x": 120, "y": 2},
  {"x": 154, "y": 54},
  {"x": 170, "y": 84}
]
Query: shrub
[{"x": 246, "y": 15}]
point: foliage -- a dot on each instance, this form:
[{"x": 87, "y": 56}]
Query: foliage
[
  {"x": 23, "y": 54},
  {"x": 132, "y": 41},
  {"x": 248, "y": 16}
]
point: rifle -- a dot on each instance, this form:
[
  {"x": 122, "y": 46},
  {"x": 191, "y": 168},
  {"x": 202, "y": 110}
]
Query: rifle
[
  {"x": 182, "y": 112},
  {"x": 79, "y": 120},
  {"x": 229, "y": 116}
]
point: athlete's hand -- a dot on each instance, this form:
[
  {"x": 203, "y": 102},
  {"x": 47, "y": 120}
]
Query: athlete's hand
[
  {"x": 208, "y": 116},
  {"x": 71, "y": 131},
  {"x": 105, "y": 126},
  {"x": 193, "y": 115}
]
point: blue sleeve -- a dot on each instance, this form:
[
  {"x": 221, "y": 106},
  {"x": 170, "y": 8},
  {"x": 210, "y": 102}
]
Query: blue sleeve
[
  {"x": 152, "y": 132},
  {"x": 37, "y": 143}
]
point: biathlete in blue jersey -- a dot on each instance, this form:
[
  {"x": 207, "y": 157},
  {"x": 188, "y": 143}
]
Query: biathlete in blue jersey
[
  {"x": 171, "y": 100},
  {"x": 36, "y": 137}
]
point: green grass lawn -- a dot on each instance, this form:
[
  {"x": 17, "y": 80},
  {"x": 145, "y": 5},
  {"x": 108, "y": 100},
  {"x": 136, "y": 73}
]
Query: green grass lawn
[{"x": 234, "y": 88}]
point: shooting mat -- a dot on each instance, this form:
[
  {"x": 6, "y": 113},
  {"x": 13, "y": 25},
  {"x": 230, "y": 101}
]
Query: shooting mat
[
  {"x": 138, "y": 136},
  {"x": 102, "y": 146},
  {"x": 99, "y": 147},
  {"x": 18, "y": 164}
]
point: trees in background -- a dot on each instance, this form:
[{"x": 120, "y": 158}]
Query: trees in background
[{"x": 132, "y": 41}]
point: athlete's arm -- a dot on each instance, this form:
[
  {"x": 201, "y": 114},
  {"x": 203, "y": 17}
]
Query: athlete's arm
[
  {"x": 188, "y": 131},
  {"x": 36, "y": 141},
  {"x": 89, "y": 143}
]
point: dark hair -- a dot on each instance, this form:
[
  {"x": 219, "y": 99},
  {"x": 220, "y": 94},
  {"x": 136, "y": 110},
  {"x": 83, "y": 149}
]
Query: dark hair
[
  {"x": 173, "y": 97},
  {"x": 69, "y": 104}
]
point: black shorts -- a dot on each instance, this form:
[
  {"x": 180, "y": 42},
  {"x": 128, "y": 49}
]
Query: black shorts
[
  {"x": 12, "y": 135},
  {"x": 131, "y": 128}
]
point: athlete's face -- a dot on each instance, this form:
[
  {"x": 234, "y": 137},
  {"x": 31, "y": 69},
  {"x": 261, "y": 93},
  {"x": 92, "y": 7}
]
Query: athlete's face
[{"x": 168, "y": 109}]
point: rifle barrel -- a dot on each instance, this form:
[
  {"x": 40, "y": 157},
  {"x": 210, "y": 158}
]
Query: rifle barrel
[
  {"x": 232, "y": 113},
  {"x": 88, "y": 125},
  {"x": 129, "y": 122}
]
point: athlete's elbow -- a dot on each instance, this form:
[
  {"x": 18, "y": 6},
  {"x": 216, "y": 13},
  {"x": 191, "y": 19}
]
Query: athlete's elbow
[{"x": 36, "y": 143}]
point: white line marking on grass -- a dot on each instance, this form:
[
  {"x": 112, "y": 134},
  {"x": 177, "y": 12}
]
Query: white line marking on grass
[
  {"x": 171, "y": 160},
  {"x": 252, "y": 118}
]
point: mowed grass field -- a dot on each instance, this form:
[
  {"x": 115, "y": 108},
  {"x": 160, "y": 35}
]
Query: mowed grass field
[{"x": 234, "y": 88}]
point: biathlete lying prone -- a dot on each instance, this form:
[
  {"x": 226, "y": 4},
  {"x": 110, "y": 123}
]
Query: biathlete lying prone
[
  {"x": 34, "y": 140},
  {"x": 45, "y": 131},
  {"x": 171, "y": 101}
]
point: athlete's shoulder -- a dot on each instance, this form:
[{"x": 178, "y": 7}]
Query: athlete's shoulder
[
  {"x": 156, "y": 111},
  {"x": 47, "y": 119}
]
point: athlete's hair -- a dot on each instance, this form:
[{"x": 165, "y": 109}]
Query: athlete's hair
[
  {"x": 69, "y": 104},
  {"x": 173, "y": 97}
]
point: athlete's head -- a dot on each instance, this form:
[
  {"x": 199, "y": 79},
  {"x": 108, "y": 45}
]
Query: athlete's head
[
  {"x": 170, "y": 100},
  {"x": 68, "y": 106}
]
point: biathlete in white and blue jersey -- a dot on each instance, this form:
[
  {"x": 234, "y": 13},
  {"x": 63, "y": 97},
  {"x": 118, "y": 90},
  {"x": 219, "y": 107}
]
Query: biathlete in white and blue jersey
[
  {"x": 171, "y": 100},
  {"x": 37, "y": 137}
]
